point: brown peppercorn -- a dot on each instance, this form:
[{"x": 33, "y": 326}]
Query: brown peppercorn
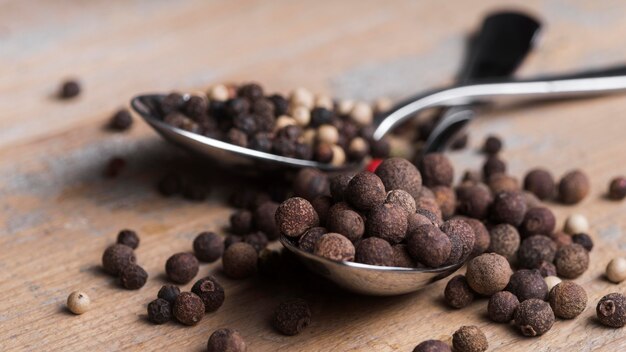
[
  {"x": 237, "y": 137},
  {"x": 436, "y": 170},
  {"x": 430, "y": 205},
  {"x": 133, "y": 277},
  {"x": 493, "y": 165},
  {"x": 178, "y": 120},
  {"x": 296, "y": 215},
  {"x": 546, "y": 269},
  {"x": 502, "y": 306},
  {"x": 573, "y": 187},
  {"x": 617, "y": 188},
  {"x": 159, "y": 311},
  {"x": 482, "y": 238},
  {"x": 457, "y": 293},
  {"x": 568, "y": 300},
  {"x": 292, "y": 316},
  {"x": 240, "y": 261},
  {"x": 346, "y": 222},
  {"x": 571, "y": 261},
  {"x": 116, "y": 257},
  {"x": 415, "y": 220},
  {"x": 446, "y": 199},
  {"x": 374, "y": 251},
  {"x": 181, "y": 267},
  {"x": 488, "y": 273},
  {"x": 398, "y": 173},
  {"x": 584, "y": 240},
  {"x": 428, "y": 245},
  {"x": 611, "y": 310},
  {"x": 505, "y": 240},
  {"x": 310, "y": 183},
  {"x": 432, "y": 346},
  {"x": 308, "y": 241},
  {"x": 232, "y": 239},
  {"x": 387, "y": 221},
  {"x": 502, "y": 182},
  {"x": 461, "y": 238},
  {"x": 335, "y": 246},
  {"x": 493, "y": 145},
  {"x": 403, "y": 199},
  {"x": 508, "y": 207},
  {"x": 226, "y": 340},
  {"x": 534, "y": 250},
  {"x": 128, "y": 238},
  {"x": 210, "y": 292},
  {"x": 365, "y": 191},
  {"x": 540, "y": 183},
  {"x": 401, "y": 257},
  {"x": 241, "y": 222},
  {"x": 208, "y": 247},
  {"x": 538, "y": 221},
  {"x": 561, "y": 239},
  {"x": 188, "y": 308},
  {"x": 474, "y": 201},
  {"x": 169, "y": 293},
  {"x": 69, "y": 89},
  {"x": 469, "y": 339},
  {"x": 121, "y": 120},
  {"x": 526, "y": 284},
  {"x": 339, "y": 185},
  {"x": 265, "y": 219},
  {"x": 323, "y": 153},
  {"x": 534, "y": 317}
]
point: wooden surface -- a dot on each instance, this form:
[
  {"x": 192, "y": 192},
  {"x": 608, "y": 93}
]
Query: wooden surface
[{"x": 58, "y": 213}]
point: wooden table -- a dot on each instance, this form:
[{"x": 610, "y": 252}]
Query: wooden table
[{"x": 59, "y": 213}]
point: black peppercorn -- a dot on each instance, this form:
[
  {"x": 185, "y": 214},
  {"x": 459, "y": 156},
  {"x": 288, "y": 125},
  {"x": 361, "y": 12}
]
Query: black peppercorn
[
  {"x": 534, "y": 317},
  {"x": 182, "y": 122},
  {"x": 121, "y": 120},
  {"x": 159, "y": 311},
  {"x": 237, "y": 106},
  {"x": 611, "y": 310},
  {"x": 387, "y": 221},
  {"x": 534, "y": 250},
  {"x": 237, "y": 137},
  {"x": 250, "y": 91},
  {"x": 502, "y": 306},
  {"x": 226, "y": 340},
  {"x": 617, "y": 188},
  {"x": 181, "y": 267},
  {"x": 69, "y": 89},
  {"x": 573, "y": 187},
  {"x": 128, "y": 238},
  {"x": 245, "y": 123},
  {"x": 436, "y": 170},
  {"x": 116, "y": 257},
  {"x": 211, "y": 293},
  {"x": 291, "y": 317},
  {"x": 171, "y": 103},
  {"x": 493, "y": 145},
  {"x": 540, "y": 182},
  {"x": 262, "y": 142},
  {"x": 321, "y": 116},
  {"x": 428, "y": 245},
  {"x": 240, "y": 261},
  {"x": 133, "y": 277},
  {"x": 188, "y": 308},
  {"x": 526, "y": 284},
  {"x": 584, "y": 240},
  {"x": 323, "y": 153},
  {"x": 374, "y": 251},
  {"x": 169, "y": 293},
  {"x": 458, "y": 294},
  {"x": 281, "y": 105}
]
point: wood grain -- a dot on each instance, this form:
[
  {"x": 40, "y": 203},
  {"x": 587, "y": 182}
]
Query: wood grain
[{"x": 58, "y": 213}]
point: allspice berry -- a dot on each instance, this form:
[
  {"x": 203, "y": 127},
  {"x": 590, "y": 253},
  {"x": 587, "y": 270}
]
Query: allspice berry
[
  {"x": 133, "y": 277},
  {"x": 501, "y": 307},
  {"x": 538, "y": 221},
  {"x": 469, "y": 339},
  {"x": 457, "y": 293},
  {"x": 474, "y": 201},
  {"x": 181, "y": 267},
  {"x": 210, "y": 292},
  {"x": 226, "y": 340},
  {"x": 322, "y": 205},
  {"x": 398, "y": 173},
  {"x": 432, "y": 346},
  {"x": 159, "y": 311},
  {"x": 403, "y": 199},
  {"x": 117, "y": 256},
  {"x": 568, "y": 300},
  {"x": 547, "y": 269},
  {"x": 502, "y": 182},
  {"x": 387, "y": 221},
  {"x": 427, "y": 244},
  {"x": 241, "y": 222},
  {"x": 482, "y": 239},
  {"x": 296, "y": 215},
  {"x": 461, "y": 238},
  {"x": 611, "y": 310},
  {"x": 339, "y": 185},
  {"x": 540, "y": 183},
  {"x": 493, "y": 165},
  {"x": 308, "y": 241},
  {"x": 488, "y": 273},
  {"x": 534, "y": 317},
  {"x": 571, "y": 261},
  {"x": 573, "y": 187},
  {"x": 346, "y": 222},
  {"x": 436, "y": 170},
  {"x": 310, "y": 182},
  {"x": 365, "y": 191},
  {"x": 508, "y": 207},
  {"x": 402, "y": 258},
  {"x": 78, "y": 302},
  {"x": 335, "y": 246},
  {"x": 208, "y": 246},
  {"x": 188, "y": 308},
  {"x": 446, "y": 199},
  {"x": 240, "y": 261},
  {"x": 534, "y": 250},
  {"x": 617, "y": 188},
  {"x": 526, "y": 284},
  {"x": 291, "y": 317},
  {"x": 128, "y": 238},
  {"x": 616, "y": 270},
  {"x": 493, "y": 145},
  {"x": 374, "y": 251},
  {"x": 265, "y": 219},
  {"x": 169, "y": 293},
  {"x": 505, "y": 240}
]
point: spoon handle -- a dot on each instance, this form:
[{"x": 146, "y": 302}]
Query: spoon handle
[{"x": 585, "y": 84}]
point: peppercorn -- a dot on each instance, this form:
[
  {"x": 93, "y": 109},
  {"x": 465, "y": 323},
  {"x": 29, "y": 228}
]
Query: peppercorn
[
  {"x": 459, "y": 141},
  {"x": 310, "y": 183},
  {"x": 436, "y": 170},
  {"x": 128, "y": 238},
  {"x": 617, "y": 188},
  {"x": 561, "y": 239},
  {"x": 121, "y": 120},
  {"x": 181, "y": 267},
  {"x": 257, "y": 240},
  {"x": 182, "y": 122},
  {"x": 78, "y": 302},
  {"x": 571, "y": 261},
  {"x": 387, "y": 221},
  {"x": 116, "y": 257},
  {"x": 573, "y": 187},
  {"x": 531, "y": 200},
  {"x": 526, "y": 284},
  {"x": 611, "y": 310},
  {"x": 534, "y": 317},
  {"x": 446, "y": 200},
  {"x": 358, "y": 149},
  {"x": 292, "y": 316},
  {"x": 458, "y": 293},
  {"x": 461, "y": 238},
  {"x": 374, "y": 251},
  {"x": 170, "y": 184},
  {"x": 540, "y": 182},
  {"x": 493, "y": 165},
  {"x": 505, "y": 240},
  {"x": 335, "y": 246},
  {"x": 237, "y": 137},
  {"x": 568, "y": 300},
  {"x": 338, "y": 185},
  {"x": 551, "y": 281},
  {"x": 296, "y": 215},
  {"x": 69, "y": 89},
  {"x": 474, "y": 201},
  {"x": 133, "y": 277},
  {"x": 576, "y": 223},
  {"x": 188, "y": 308},
  {"x": 493, "y": 145},
  {"x": 226, "y": 340},
  {"x": 482, "y": 238},
  {"x": 195, "y": 106},
  {"x": 469, "y": 339},
  {"x": 427, "y": 244},
  {"x": 616, "y": 270},
  {"x": 241, "y": 222},
  {"x": 430, "y": 205},
  {"x": 114, "y": 167},
  {"x": 508, "y": 207},
  {"x": 488, "y": 273},
  {"x": 432, "y": 346},
  {"x": 502, "y": 306},
  {"x": 240, "y": 261},
  {"x": 264, "y": 218},
  {"x": 401, "y": 257},
  {"x": 546, "y": 269},
  {"x": 211, "y": 293},
  {"x": 538, "y": 221},
  {"x": 402, "y": 199},
  {"x": 398, "y": 173},
  {"x": 281, "y": 105},
  {"x": 584, "y": 240},
  {"x": 262, "y": 142},
  {"x": 232, "y": 239},
  {"x": 309, "y": 239},
  {"x": 432, "y": 216},
  {"x": 348, "y": 223},
  {"x": 171, "y": 102},
  {"x": 159, "y": 311},
  {"x": 365, "y": 191},
  {"x": 534, "y": 250},
  {"x": 169, "y": 293},
  {"x": 380, "y": 148},
  {"x": 502, "y": 182}
]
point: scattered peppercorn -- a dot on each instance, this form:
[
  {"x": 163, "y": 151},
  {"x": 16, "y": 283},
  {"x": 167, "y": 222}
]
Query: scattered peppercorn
[
  {"x": 611, "y": 310},
  {"x": 584, "y": 240},
  {"x": 576, "y": 223},
  {"x": 469, "y": 339},
  {"x": 291, "y": 317},
  {"x": 502, "y": 306},
  {"x": 508, "y": 207},
  {"x": 69, "y": 89},
  {"x": 265, "y": 219},
  {"x": 568, "y": 300},
  {"x": 226, "y": 340},
  {"x": 208, "y": 247},
  {"x": 128, "y": 238},
  {"x": 169, "y": 293},
  {"x": 188, "y": 308},
  {"x": 540, "y": 183},
  {"x": 534, "y": 317},
  {"x": 403, "y": 199},
  {"x": 457, "y": 293},
  {"x": 571, "y": 261},
  {"x": 296, "y": 215},
  {"x": 116, "y": 257},
  {"x": 617, "y": 188},
  {"x": 436, "y": 170},
  {"x": 374, "y": 251},
  {"x": 78, "y": 302},
  {"x": 505, "y": 240},
  {"x": 159, "y": 311},
  {"x": 211, "y": 293},
  {"x": 121, "y": 120},
  {"x": 387, "y": 221},
  {"x": 398, "y": 173},
  {"x": 493, "y": 145},
  {"x": 240, "y": 261},
  {"x": 616, "y": 270},
  {"x": 534, "y": 250},
  {"x": 133, "y": 277},
  {"x": 538, "y": 221},
  {"x": 573, "y": 187},
  {"x": 493, "y": 165},
  {"x": 488, "y": 273},
  {"x": 526, "y": 284},
  {"x": 365, "y": 191},
  {"x": 427, "y": 244},
  {"x": 432, "y": 346},
  {"x": 181, "y": 267}
]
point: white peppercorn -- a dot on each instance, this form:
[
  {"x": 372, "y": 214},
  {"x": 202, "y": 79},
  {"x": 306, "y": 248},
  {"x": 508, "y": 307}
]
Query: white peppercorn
[
  {"x": 616, "y": 270},
  {"x": 576, "y": 223},
  {"x": 78, "y": 302}
]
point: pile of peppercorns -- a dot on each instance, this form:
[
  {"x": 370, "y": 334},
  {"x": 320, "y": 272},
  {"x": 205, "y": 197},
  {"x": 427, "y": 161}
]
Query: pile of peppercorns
[
  {"x": 119, "y": 260},
  {"x": 302, "y": 125}
]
